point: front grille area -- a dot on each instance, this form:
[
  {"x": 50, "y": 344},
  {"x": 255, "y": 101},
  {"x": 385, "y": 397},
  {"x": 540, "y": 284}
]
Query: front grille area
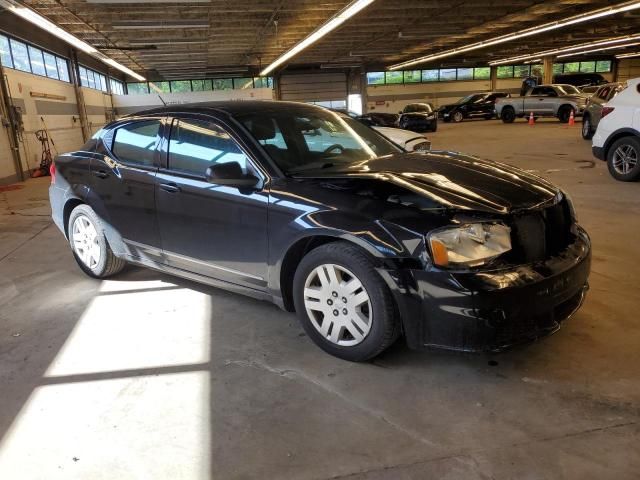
[{"x": 541, "y": 234}]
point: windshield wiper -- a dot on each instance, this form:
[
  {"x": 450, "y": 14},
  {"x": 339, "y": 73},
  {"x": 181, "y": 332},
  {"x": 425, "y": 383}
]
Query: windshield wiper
[{"x": 311, "y": 166}]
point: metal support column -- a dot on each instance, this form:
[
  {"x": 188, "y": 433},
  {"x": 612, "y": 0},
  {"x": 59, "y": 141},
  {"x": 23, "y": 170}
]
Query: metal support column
[
  {"x": 82, "y": 110},
  {"x": 494, "y": 78}
]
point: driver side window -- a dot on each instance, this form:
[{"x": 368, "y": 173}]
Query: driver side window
[{"x": 195, "y": 145}]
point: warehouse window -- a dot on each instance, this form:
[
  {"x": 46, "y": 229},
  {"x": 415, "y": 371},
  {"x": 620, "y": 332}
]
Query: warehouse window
[
  {"x": 603, "y": 66},
  {"x": 117, "y": 87},
  {"x": 572, "y": 67},
  {"x": 263, "y": 82},
  {"x": 201, "y": 85},
  {"x": 29, "y": 58},
  {"x": 92, "y": 79},
  {"x": 375, "y": 78},
  {"x": 20, "y": 56},
  {"x": 482, "y": 73},
  {"x": 465, "y": 74},
  {"x": 242, "y": 83},
  {"x": 587, "y": 67},
  {"x": 521, "y": 71},
  {"x": 222, "y": 84},
  {"x": 412, "y": 76},
  {"x": 505, "y": 71},
  {"x": 392, "y": 78},
  {"x": 160, "y": 87},
  {"x": 137, "y": 88},
  {"x": 447, "y": 74},
  {"x": 5, "y": 52},
  {"x": 430, "y": 75},
  {"x": 181, "y": 86},
  {"x": 557, "y": 68}
]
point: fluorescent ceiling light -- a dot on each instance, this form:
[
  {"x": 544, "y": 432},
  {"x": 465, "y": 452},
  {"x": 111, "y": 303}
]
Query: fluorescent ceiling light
[
  {"x": 352, "y": 9},
  {"x": 122, "y": 68},
  {"x": 38, "y": 20},
  {"x": 573, "y": 49},
  {"x": 628, "y": 55},
  {"x": 624, "y": 45},
  {"x": 584, "y": 17},
  {"x": 156, "y": 25}
]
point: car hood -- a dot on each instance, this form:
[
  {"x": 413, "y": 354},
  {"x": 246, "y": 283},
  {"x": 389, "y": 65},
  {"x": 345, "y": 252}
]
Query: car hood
[{"x": 452, "y": 180}]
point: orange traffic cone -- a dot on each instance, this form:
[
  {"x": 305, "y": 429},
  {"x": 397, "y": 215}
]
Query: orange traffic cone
[
  {"x": 572, "y": 119},
  {"x": 531, "y": 120}
]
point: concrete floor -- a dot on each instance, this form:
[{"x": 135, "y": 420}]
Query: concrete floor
[{"x": 151, "y": 377}]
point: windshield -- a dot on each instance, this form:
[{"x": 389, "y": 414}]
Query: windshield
[
  {"x": 568, "y": 89},
  {"x": 311, "y": 138},
  {"x": 418, "y": 107},
  {"x": 470, "y": 98}
]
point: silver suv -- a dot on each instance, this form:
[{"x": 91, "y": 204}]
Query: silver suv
[{"x": 593, "y": 112}]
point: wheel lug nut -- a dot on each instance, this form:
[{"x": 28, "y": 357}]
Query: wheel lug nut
[
  {"x": 344, "y": 299},
  {"x": 330, "y": 302},
  {"x": 334, "y": 294},
  {"x": 336, "y": 313},
  {"x": 344, "y": 311}
]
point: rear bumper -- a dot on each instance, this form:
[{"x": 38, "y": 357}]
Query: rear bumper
[
  {"x": 492, "y": 311},
  {"x": 57, "y": 198}
]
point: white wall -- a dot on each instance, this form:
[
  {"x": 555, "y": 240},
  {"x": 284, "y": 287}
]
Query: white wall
[
  {"x": 127, "y": 104},
  {"x": 61, "y": 117}
]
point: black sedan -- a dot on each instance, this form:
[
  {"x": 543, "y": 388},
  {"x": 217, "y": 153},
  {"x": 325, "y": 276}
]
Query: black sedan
[
  {"x": 477, "y": 105},
  {"x": 419, "y": 117},
  {"x": 317, "y": 213}
]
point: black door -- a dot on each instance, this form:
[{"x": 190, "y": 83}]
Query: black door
[
  {"x": 123, "y": 181},
  {"x": 214, "y": 230}
]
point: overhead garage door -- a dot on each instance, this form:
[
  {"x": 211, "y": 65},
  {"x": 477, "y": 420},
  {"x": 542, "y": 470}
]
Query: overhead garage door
[{"x": 324, "y": 87}]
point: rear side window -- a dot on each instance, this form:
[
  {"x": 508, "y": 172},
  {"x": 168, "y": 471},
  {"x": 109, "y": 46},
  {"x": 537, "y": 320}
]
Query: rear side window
[
  {"x": 196, "y": 145},
  {"x": 136, "y": 142}
]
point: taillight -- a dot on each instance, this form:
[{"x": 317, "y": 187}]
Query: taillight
[
  {"x": 606, "y": 111},
  {"x": 52, "y": 172}
]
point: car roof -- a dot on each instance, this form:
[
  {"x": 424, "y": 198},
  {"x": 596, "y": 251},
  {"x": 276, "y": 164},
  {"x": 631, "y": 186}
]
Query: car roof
[{"x": 230, "y": 107}]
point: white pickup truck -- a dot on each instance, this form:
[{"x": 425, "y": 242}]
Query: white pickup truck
[{"x": 543, "y": 101}]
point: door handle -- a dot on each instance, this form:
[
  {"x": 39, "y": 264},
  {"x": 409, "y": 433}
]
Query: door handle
[
  {"x": 101, "y": 174},
  {"x": 170, "y": 187}
]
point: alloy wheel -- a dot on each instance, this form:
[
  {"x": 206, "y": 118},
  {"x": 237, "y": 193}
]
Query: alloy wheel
[
  {"x": 338, "y": 305},
  {"x": 85, "y": 241},
  {"x": 586, "y": 127},
  {"x": 625, "y": 158},
  {"x": 457, "y": 117}
]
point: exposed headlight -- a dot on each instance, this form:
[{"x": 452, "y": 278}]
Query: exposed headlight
[
  {"x": 422, "y": 146},
  {"x": 469, "y": 245}
]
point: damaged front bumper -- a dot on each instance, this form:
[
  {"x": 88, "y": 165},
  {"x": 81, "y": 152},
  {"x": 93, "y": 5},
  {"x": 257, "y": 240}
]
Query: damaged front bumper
[{"x": 488, "y": 311}]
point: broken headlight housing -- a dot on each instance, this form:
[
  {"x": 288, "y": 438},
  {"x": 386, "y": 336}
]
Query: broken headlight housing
[{"x": 470, "y": 244}]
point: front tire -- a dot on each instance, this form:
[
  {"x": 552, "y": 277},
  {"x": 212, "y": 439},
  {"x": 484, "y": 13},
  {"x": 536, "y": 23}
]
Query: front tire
[
  {"x": 623, "y": 159},
  {"x": 343, "y": 304},
  {"x": 89, "y": 244},
  {"x": 434, "y": 127},
  {"x": 457, "y": 116},
  {"x": 587, "y": 129},
  {"x": 508, "y": 115}
]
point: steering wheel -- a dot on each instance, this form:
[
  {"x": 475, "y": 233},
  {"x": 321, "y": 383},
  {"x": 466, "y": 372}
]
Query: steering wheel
[{"x": 335, "y": 146}]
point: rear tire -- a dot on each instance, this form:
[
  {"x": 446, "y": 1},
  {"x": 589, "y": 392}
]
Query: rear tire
[
  {"x": 623, "y": 159},
  {"x": 89, "y": 244},
  {"x": 508, "y": 115},
  {"x": 565, "y": 113},
  {"x": 343, "y": 304},
  {"x": 587, "y": 129}
]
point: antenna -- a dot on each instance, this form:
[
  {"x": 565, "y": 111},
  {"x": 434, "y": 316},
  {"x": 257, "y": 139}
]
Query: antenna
[{"x": 163, "y": 102}]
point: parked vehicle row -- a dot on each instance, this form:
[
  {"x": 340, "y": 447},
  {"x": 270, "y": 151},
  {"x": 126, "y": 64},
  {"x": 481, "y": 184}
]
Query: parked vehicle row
[{"x": 318, "y": 213}]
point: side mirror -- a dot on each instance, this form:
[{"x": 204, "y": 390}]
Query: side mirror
[{"x": 230, "y": 174}]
